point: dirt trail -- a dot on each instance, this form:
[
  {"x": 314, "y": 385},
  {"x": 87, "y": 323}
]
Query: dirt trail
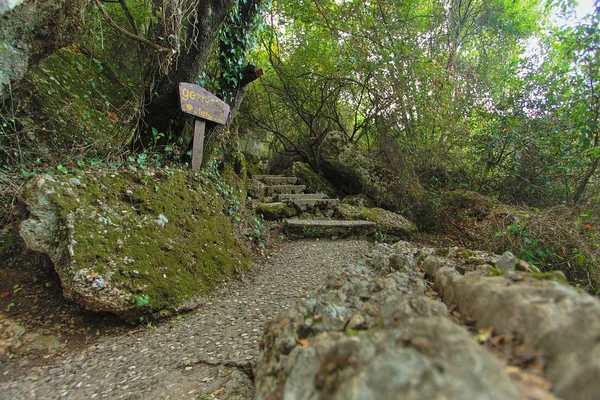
[{"x": 197, "y": 354}]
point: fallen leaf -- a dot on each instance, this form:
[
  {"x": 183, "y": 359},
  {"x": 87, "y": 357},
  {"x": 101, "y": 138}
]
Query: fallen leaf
[
  {"x": 189, "y": 368},
  {"x": 112, "y": 116},
  {"x": 225, "y": 373},
  {"x": 218, "y": 392},
  {"x": 208, "y": 379},
  {"x": 302, "y": 342},
  {"x": 511, "y": 369},
  {"x": 530, "y": 379},
  {"x": 497, "y": 339},
  {"x": 5, "y": 294},
  {"x": 484, "y": 334}
]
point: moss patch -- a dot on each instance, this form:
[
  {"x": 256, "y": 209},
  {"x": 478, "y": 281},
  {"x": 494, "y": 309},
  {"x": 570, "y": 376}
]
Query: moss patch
[
  {"x": 393, "y": 225},
  {"x": 71, "y": 101},
  {"x": 275, "y": 210},
  {"x": 313, "y": 181},
  {"x": 161, "y": 239}
]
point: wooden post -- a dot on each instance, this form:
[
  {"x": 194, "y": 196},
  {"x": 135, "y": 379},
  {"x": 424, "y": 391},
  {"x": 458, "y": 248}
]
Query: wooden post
[
  {"x": 198, "y": 145},
  {"x": 204, "y": 105}
]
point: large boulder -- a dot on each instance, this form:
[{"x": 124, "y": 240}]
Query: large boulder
[
  {"x": 133, "y": 244},
  {"x": 314, "y": 182},
  {"x": 372, "y": 333},
  {"x": 354, "y": 172},
  {"x": 32, "y": 30}
]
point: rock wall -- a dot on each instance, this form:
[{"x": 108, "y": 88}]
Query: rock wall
[
  {"x": 374, "y": 332},
  {"x": 135, "y": 244},
  {"x": 32, "y": 30}
]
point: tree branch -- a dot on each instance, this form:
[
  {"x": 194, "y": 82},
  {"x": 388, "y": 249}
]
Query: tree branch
[
  {"x": 129, "y": 16},
  {"x": 127, "y": 33}
]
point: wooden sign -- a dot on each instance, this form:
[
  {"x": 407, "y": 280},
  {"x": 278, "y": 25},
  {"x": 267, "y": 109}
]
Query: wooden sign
[{"x": 201, "y": 103}]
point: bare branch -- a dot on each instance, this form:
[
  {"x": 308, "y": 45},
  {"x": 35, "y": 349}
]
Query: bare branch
[{"x": 127, "y": 33}]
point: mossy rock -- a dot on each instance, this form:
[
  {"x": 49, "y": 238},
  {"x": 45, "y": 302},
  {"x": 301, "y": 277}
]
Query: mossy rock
[
  {"x": 275, "y": 210},
  {"x": 71, "y": 101},
  {"x": 354, "y": 171},
  {"x": 313, "y": 181},
  {"x": 390, "y": 225},
  {"x": 133, "y": 244}
]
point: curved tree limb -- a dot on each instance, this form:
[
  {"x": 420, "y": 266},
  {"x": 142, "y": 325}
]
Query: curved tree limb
[{"x": 125, "y": 32}]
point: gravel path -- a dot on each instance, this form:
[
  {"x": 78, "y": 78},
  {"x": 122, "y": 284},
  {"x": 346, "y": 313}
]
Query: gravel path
[{"x": 194, "y": 355}]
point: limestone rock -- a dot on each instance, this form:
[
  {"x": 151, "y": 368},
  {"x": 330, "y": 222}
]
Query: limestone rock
[
  {"x": 33, "y": 31},
  {"x": 314, "y": 182},
  {"x": 275, "y": 210},
  {"x": 551, "y": 317},
  {"x": 507, "y": 262},
  {"x": 372, "y": 333},
  {"x": 389, "y": 224},
  {"x": 354, "y": 172},
  {"x": 133, "y": 244},
  {"x": 256, "y": 189}
]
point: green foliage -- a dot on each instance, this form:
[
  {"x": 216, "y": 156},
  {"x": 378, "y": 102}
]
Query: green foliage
[
  {"x": 142, "y": 300},
  {"x": 427, "y": 211},
  {"x": 555, "y": 239},
  {"x": 258, "y": 234},
  {"x": 314, "y": 232},
  {"x": 238, "y": 37},
  {"x": 346, "y": 66},
  {"x": 7, "y": 240},
  {"x": 533, "y": 249}
]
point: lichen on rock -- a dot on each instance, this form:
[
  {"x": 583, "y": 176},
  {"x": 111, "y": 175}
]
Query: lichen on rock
[{"x": 133, "y": 243}]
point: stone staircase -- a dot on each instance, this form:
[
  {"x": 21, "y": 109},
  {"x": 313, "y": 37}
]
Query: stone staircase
[{"x": 305, "y": 214}]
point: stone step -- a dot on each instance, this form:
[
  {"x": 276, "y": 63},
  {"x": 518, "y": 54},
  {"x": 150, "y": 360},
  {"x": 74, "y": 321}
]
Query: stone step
[
  {"x": 276, "y": 210},
  {"x": 330, "y": 228},
  {"x": 284, "y": 189},
  {"x": 301, "y": 196},
  {"x": 272, "y": 180},
  {"x": 309, "y": 204}
]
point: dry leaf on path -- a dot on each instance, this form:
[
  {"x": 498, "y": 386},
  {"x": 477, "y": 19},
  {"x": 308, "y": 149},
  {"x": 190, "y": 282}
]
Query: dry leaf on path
[{"x": 484, "y": 334}]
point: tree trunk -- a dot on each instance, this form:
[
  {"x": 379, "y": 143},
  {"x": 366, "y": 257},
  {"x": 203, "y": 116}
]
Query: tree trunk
[
  {"x": 163, "y": 112},
  {"x": 586, "y": 178},
  {"x": 32, "y": 31}
]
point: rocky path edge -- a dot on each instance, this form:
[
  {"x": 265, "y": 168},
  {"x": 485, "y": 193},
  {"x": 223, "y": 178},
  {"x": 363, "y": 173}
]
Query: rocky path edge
[{"x": 208, "y": 353}]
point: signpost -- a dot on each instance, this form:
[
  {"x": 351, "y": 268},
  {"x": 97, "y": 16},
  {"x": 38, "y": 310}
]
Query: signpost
[{"x": 205, "y": 106}]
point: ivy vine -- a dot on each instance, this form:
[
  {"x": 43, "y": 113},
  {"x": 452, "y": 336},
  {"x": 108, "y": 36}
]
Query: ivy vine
[{"x": 238, "y": 37}]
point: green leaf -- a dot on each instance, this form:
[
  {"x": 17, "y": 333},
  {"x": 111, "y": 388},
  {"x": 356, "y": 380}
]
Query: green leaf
[{"x": 141, "y": 301}]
